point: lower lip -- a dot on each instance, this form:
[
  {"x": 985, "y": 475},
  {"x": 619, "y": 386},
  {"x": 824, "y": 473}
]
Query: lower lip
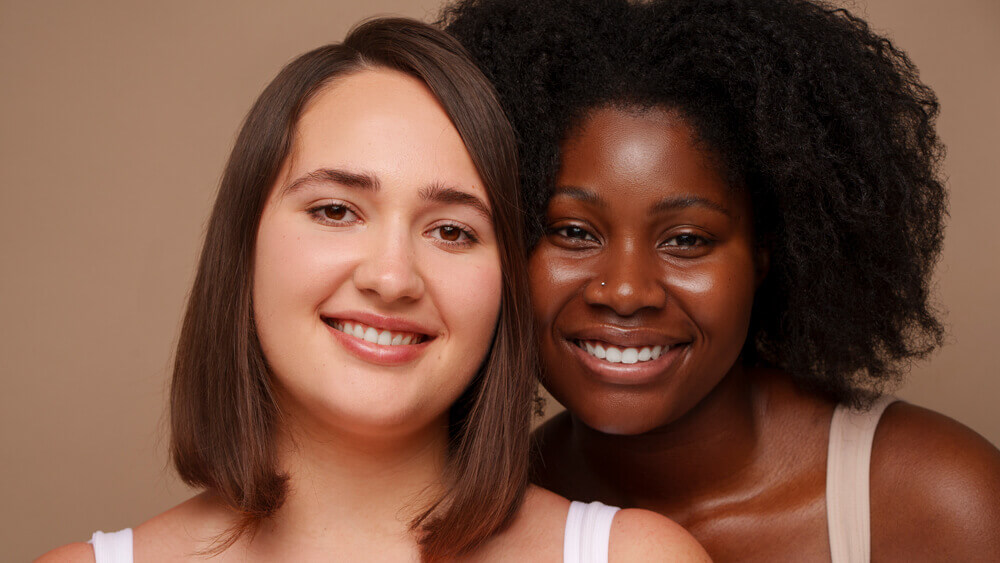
[
  {"x": 377, "y": 353},
  {"x": 639, "y": 373}
]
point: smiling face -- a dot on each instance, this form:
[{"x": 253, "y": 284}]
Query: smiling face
[
  {"x": 377, "y": 274},
  {"x": 643, "y": 284}
]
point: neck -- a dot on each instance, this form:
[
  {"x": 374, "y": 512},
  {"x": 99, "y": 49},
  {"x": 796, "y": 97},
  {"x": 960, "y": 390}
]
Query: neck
[
  {"x": 348, "y": 492},
  {"x": 669, "y": 467}
]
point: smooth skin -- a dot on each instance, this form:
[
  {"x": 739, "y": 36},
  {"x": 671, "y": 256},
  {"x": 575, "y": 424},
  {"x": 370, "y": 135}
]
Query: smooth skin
[
  {"x": 379, "y": 217},
  {"x": 647, "y": 245}
]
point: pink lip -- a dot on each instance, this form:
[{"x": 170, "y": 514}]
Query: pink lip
[
  {"x": 376, "y": 353},
  {"x": 639, "y": 373},
  {"x": 382, "y": 322}
]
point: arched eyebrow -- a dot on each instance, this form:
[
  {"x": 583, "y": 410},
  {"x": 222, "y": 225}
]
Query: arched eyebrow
[
  {"x": 671, "y": 203},
  {"x": 684, "y": 201},
  {"x": 448, "y": 195},
  {"x": 436, "y": 192},
  {"x": 359, "y": 180}
]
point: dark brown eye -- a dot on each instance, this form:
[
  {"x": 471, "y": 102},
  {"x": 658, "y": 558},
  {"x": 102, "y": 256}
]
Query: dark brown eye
[
  {"x": 335, "y": 212},
  {"x": 450, "y": 234},
  {"x": 575, "y": 232}
]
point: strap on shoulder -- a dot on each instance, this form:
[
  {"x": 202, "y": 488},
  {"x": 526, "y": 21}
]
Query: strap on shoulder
[
  {"x": 115, "y": 547},
  {"x": 848, "y": 512},
  {"x": 588, "y": 532}
]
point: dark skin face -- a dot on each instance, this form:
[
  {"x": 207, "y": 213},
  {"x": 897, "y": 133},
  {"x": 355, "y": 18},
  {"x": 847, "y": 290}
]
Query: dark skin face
[{"x": 647, "y": 246}]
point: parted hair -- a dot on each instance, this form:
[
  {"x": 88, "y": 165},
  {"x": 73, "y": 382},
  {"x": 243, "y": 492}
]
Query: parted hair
[
  {"x": 824, "y": 122},
  {"x": 223, "y": 413}
]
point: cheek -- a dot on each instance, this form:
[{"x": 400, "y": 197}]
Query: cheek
[
  {"x": 552, "y": 282},
  {"x": 467, "y": 291},
  {"x": 294, "y": 272},
  {"x": 718, "y": 297}
]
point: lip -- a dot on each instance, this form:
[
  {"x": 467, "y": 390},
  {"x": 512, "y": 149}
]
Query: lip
[
  {"x": 370, "y": 352},
  {"x": 382, "y": 322},
  {"x": 625, "y": 337},
  {"x": 640, "y": 373}
]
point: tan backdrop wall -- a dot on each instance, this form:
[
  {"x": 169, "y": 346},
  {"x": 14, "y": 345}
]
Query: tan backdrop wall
[{"x": 115, "y": 120}]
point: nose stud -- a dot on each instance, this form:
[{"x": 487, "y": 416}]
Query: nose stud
[{"x": 603, "y": 284}]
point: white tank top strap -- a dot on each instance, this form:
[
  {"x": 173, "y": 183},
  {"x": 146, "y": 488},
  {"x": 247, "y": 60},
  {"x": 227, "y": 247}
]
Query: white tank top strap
[
  {"x": 848, "y": 465},
  {"x": 115, "y": 547},
  {"x": 588, "y": 532}
]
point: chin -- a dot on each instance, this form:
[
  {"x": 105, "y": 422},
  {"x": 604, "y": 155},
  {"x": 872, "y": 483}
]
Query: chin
[{"x": 622, "y": 417}]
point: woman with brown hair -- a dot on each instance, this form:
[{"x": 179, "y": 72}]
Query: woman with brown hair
[{"x": 350, "y": 381}]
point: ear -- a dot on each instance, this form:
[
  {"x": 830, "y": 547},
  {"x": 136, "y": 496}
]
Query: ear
[{"x": 762, "y": 264}]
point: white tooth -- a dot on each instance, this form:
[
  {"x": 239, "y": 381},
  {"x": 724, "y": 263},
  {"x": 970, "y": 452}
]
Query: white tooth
[
  {"x": 656, "y": 351},
  {"x": 396, "y": 340},
  {"x": 630, "y": 356},
  {"x": 613, "y": 355},
  {"x": 588, "y": 347},
  {"x": 645, "y": 354},
  {"x": 371, "y": 335},
  {"x": 347, "y": 327},
  {"x": 358, "y": 331},
  {"x": 407, "y": 339},
  {"x": 384, "y": 338},
  {"x": 599, "y": 351}
]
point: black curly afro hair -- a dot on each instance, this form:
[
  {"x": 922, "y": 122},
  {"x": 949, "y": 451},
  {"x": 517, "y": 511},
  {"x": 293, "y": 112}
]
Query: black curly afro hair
[{"x": 824, "y": 122}]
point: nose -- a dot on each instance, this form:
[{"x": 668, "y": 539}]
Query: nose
[
  {"x": 389, "y": 270},
  {"x": 628, "y": 281}
]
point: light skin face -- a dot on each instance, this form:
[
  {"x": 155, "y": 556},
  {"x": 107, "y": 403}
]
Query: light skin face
[
  {"x": 649, "y": 256},
  {"x": 379, "y": 225}
]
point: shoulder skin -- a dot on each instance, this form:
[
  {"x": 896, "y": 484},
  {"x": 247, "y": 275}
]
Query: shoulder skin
[
  {"x": 79, "y": 552},
  {"x": 642, "y": 535},
  {"x": 935, "y": 489}
]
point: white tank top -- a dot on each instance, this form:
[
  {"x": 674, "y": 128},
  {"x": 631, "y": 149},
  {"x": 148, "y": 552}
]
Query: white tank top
[
  {"x": 588, "y": 533},
  {"x": 848, "y": 469}
]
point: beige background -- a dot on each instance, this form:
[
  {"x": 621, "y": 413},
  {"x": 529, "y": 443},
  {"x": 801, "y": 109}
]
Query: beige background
[{"x": 115, "y": 120}]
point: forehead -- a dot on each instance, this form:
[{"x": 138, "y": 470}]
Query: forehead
[
  {"x": 642, "y": 151},
  {"x": 385, "y": 123}
]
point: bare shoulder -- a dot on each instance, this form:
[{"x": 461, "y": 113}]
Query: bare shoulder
[
  {"x": 185, "y": 529},
  {"x": 935, "y": 487},
  {"x": 535, "y": 534},
  {"x": 642, "y": 535},
  {"x": 79, "y": 552}
]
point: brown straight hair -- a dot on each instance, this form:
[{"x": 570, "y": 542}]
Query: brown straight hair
[{"x": 222, "y": 411}]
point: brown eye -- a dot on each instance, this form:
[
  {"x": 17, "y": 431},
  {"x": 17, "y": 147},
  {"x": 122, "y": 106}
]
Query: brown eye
[
  {"x": 450, "y": 234},
  {"x": 335, "y": 212}
]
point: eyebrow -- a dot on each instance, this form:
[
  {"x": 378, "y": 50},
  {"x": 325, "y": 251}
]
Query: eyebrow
[
  {"x": 436, "y": 192},
  {"x": 359, "y": 180},
  {"x": 685, "y": 201},
  {"x": 441, "y": 193},
  {"x": 666, "y": 204}
]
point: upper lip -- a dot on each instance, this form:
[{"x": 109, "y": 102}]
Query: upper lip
[
  {"x": 381, "y": 322},
  {"x": 625, "y": 337}
]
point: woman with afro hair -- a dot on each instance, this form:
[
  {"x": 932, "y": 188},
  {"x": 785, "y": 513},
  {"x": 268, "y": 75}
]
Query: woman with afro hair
[{"x": 735, "y": 208}]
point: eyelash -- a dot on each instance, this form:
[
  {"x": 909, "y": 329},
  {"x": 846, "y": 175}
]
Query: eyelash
[
  {"x": 698, "y": 241},
  {"x": 563, "y": 232},
  {"x": 470, "y": 236},
  {"x": 318, "y": 214}
]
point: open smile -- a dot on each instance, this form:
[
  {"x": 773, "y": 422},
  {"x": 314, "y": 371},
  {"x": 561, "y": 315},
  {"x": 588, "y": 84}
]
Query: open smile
[
  {"x": 620, "y": 354},
  {"x": 373, "y": 335},
  {"x": 379, "y": 340},
  {"x": 624, "y": 357}
]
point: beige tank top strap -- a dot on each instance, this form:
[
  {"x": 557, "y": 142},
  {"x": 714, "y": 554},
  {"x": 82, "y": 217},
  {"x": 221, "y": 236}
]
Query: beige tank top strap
[{"x": 847, "y": 478}]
